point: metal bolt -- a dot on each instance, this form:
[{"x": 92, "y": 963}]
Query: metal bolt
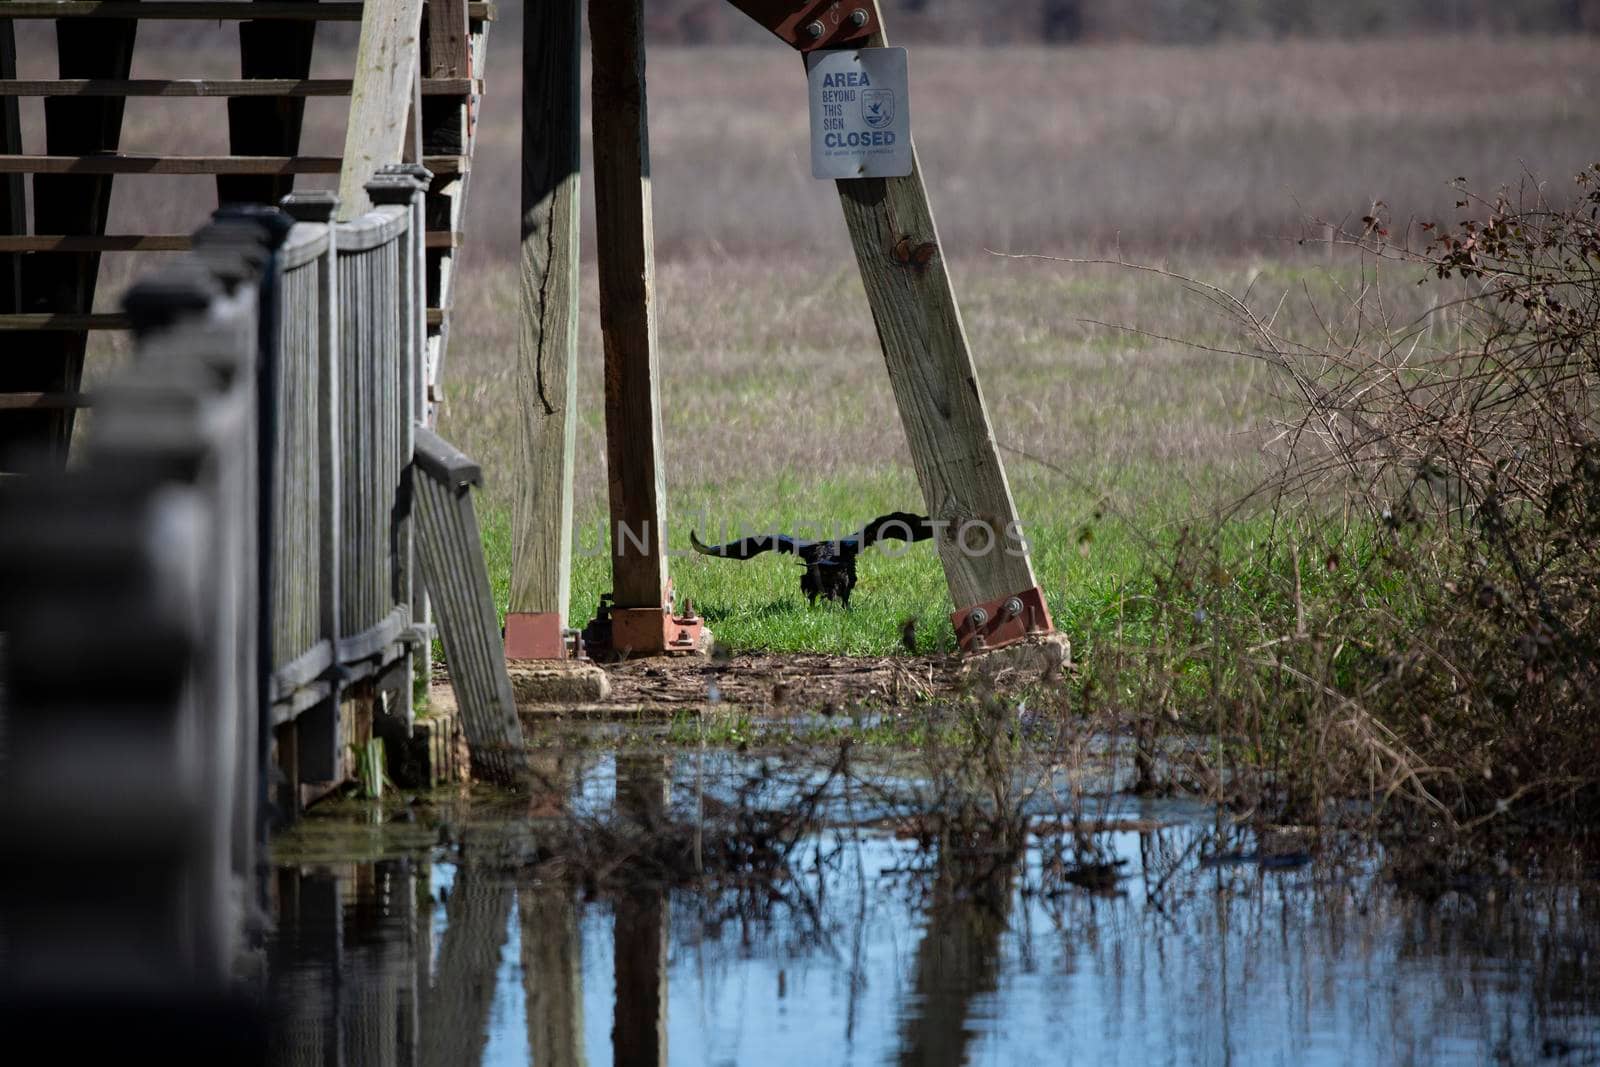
[
  {"x": 859, "y": 16},
  {"x": 979, "y": 617},
  {"x": 816, "y": 29},
  {"x": 1013, "y": 607}
]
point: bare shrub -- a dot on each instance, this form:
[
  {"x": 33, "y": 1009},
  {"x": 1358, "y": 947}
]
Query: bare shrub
[{"x": 1415, "y": 617}]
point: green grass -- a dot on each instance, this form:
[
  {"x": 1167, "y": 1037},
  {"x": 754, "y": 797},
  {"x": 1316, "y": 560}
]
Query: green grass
[{"x": 1089, "y": 560}]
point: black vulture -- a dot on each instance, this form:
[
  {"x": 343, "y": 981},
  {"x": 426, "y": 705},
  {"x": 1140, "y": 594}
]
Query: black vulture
[{"x": 830, "y": 566}]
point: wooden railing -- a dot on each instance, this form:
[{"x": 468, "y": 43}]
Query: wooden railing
[{"x": 343, "y": 596}]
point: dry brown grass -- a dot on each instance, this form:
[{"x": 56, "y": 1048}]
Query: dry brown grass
[{"x": 772, "y": 385}]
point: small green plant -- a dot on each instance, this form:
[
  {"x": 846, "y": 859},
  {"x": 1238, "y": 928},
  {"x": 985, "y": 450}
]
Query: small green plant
[{"x": 371, "y": 776}]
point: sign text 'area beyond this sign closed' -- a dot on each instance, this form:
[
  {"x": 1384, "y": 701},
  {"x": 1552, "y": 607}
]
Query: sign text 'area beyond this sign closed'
[{"x": 860, "y": 113}]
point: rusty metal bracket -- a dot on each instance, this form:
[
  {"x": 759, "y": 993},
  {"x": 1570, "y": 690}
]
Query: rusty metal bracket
[
  {"x": 618, "y": 633},
  {"x": 808, "y": 25},
  {"x": 1002, "y": 621}
]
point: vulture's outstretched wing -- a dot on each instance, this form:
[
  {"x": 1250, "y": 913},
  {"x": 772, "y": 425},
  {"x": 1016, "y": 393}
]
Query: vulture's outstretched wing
[
  {"x": 896, "y": 526},
  {"x": 746, "y": 547}
]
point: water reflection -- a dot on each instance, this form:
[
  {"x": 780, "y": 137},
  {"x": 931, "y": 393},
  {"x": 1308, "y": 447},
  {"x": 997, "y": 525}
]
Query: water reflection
[{"x": 1206, "y": 949}]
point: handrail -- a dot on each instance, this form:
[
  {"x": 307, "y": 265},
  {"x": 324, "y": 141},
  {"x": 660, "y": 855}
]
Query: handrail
[
  {"x": 306, "y": 241},
  {"x": 377, "y": 227}
]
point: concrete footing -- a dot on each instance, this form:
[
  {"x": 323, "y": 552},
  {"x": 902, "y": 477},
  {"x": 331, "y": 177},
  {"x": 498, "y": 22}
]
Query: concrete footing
[
  {"x": 1037, "y": 659},
  {"x": 558, "y": 683}
]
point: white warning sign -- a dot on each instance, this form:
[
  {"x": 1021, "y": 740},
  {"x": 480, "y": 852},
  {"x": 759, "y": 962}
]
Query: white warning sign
[{"x": 860, "y": 113}]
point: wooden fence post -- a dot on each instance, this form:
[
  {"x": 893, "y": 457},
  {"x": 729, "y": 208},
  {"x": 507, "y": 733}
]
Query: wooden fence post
[
  {"x": 547, "y": 387},
  {"x": 316, "y": 734},
  {"x": 625, "y": 234}
]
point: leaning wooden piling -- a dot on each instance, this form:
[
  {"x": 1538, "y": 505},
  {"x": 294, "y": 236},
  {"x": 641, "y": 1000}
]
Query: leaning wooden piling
[{"x": 450, "y": 551}]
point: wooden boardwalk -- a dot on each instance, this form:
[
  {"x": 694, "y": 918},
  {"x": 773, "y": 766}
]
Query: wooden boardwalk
[{"x": 220, "y": 602}]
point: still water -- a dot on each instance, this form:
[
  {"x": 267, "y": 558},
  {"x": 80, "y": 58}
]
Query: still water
[{"x": 442, "y": 940}]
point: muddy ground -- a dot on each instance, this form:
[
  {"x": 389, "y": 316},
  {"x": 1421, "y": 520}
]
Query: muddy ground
[{"x": 761, "y": 684}]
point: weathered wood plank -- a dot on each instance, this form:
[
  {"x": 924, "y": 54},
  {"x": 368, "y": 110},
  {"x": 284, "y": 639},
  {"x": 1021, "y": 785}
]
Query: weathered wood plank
[
  {"x": 386, "y": 70},
  {"x": 448, "y": 52},
  {"x": 43, "y": 401},
  {"x": 267, "y": 125},
  {"x": 450, "y": 552},
  {"x": 936, "y": 384},
  {"x": 212, "y": 87},
  {"x": 151, "y": 164},
  {"x": 117, "y": 242},
  {"x": 625, "y": 235},
  {"x": 547, "y": 385},
  {"x": 62, "y": 323},
  {"x": 13, "y": 201},
  {"x": 330, "y": 11}
]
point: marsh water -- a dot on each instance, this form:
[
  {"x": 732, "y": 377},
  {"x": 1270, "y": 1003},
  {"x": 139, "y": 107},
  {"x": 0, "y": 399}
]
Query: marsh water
[{"x": 445, "y": 932}]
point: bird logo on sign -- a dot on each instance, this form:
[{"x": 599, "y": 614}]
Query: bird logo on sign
[{"x": 877, "y": 107}]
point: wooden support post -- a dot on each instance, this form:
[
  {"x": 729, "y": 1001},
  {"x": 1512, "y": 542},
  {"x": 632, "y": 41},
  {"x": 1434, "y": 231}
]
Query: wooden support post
[
  {"x": 547, "y": 385},
  {"x": 625, "y": 234},
  {"x": 52, "y": 362},
  {"x": 380, "y": 98},
  {"x": 451, "y": 553},
  {"x": 936, "y": 386},
  {"x": 266, "y": 125}
]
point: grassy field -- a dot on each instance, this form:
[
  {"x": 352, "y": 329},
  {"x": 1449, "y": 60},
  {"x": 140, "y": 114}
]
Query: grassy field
[
  {"x": 778, "y": 414},
  {"x": 776, "y": 406}
]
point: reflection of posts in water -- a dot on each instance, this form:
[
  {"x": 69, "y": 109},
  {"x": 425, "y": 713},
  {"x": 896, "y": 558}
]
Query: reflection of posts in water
[
  {"x": 307, "y": 956},
  {"x": 555, "y": 780},
  {"x": 455, "y": 1021},
  {"x": 958, "y": 958},
  {"x": 380, "y": 996},
  {"x": 639, "y": 1027},
  {"x": 345, "y": 979},
  {"x": 552, "y": 974}
]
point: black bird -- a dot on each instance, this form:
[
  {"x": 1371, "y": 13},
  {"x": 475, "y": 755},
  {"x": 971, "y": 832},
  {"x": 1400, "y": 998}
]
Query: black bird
[{"x": 830, "y": 565}]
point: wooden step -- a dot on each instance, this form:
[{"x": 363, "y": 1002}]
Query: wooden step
[
  {"x": 69, "y": 323},
  {"x": 44, "y": 401},
  {"x": 118, "y": 163},
  {"x": 145, "y": 242},
  {"x": 200, "y": 9},
  {"x": 187, "y": 87}
]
